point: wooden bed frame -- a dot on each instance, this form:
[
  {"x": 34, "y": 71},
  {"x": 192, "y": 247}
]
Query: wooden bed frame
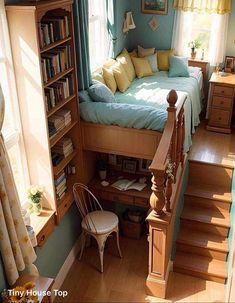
[{"x": 166, "y": 150}]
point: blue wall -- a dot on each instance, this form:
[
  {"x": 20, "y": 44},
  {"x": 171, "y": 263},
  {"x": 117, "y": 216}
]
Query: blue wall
[
  {"x": 143, "y": 35},
  {"x": 52, "y": 255},
  {"x": 230, "y": 50}
]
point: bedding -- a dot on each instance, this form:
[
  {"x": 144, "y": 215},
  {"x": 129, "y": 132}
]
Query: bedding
[{"x": 143, "y": 105}]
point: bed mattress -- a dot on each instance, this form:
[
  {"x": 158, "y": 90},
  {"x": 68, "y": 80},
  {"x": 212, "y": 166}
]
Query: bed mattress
[{"x": 143, "y": 105}]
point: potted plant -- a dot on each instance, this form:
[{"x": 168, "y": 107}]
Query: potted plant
[
  {"x": 102, "y": 167},
  {"x": 35, "y": 194},
  {"x": 195, "y": 44}
]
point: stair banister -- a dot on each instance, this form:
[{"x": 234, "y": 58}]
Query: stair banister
[{"x": 167, "y": 170}]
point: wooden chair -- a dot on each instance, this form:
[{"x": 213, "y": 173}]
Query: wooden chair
[{"x": 95, "y": 221}]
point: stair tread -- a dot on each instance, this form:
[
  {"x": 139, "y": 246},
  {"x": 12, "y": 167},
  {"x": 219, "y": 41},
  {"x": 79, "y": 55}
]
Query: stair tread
[
  {"x": 201, "y": 264},
  {"x": 209, "y": 192},
  {"x": 204, "y": 240},
  {"x": 206, "y": 215}
]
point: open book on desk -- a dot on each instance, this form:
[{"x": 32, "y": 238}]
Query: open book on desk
[{"x": 125, "y": 184}]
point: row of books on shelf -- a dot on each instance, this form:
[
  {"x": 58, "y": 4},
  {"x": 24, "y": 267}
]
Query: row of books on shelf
[
  {"x": 61, "y": 181},
  {"x": 59, "y": 91},
  {"x": 52, "y": 29},
  {"x": 58, "y": 121},
  {"x": 56, "y": 61},
  {"x": 61, "y": 150}
]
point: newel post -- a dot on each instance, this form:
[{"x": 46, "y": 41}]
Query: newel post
[{"x": 161, "y": 185}]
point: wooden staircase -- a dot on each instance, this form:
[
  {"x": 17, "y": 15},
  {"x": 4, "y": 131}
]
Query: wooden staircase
[{"x": 202, "y": 244}]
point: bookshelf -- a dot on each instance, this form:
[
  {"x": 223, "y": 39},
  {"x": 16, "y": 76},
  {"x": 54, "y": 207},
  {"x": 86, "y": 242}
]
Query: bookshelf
[{"x": 42, "y": 37}]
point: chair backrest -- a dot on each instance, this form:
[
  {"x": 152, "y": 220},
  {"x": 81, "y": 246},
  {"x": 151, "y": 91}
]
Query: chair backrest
[{"x": 86, "y": 202}]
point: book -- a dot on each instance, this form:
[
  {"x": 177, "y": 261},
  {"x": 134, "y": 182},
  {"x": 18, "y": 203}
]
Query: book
[{"x": 125, "y": 184}]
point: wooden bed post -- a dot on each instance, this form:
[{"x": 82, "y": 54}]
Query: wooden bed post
[{"x": 166, "y": 183}]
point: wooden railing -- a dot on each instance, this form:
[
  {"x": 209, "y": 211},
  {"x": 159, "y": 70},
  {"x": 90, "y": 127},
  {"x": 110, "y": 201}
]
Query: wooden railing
[
  {"x": 167, "y": 170},
  {"x": 168, "y": 157}
]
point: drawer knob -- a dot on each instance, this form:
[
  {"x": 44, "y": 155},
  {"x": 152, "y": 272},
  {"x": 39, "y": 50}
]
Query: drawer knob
[
  {"x": 65, "y": 205},
  {"x": 222, "y": 91},
  {"x": 221, "y": 102},
  {"x": 220, "y": 118},
  {"x": 42, "y": 238}
]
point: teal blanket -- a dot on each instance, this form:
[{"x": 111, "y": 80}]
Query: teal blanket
[{"x": 143, "y": 105}]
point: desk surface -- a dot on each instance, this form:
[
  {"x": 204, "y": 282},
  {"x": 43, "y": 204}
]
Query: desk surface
[{"x": 229, "y": 79}]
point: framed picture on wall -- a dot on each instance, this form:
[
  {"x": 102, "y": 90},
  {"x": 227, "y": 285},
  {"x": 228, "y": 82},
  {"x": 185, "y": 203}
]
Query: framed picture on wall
[
  {"x": 229, "y": 64},
  {"x": 158, "y": 7}
]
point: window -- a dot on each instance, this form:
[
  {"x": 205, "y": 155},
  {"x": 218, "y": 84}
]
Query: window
[
  {"x": 210, "y": 30},
  {"x": 11, "y": 130},
  {"x": 98, "y": 34}
]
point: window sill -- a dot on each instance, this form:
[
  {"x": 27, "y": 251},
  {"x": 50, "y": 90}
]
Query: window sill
[{"x": 43, "y": 225}]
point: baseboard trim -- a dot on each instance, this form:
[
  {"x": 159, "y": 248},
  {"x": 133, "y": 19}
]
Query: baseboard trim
[{"x": 62, "y": 274}]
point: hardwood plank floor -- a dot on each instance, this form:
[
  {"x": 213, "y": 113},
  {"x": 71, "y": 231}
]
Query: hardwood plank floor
[
  {"x": 213, "y": 147},
  {"x": 123, "y": 279}
]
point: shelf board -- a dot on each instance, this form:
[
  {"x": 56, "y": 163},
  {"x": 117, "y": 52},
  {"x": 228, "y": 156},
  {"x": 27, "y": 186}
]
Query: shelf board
[
  {"x": 54, "y": 44},
  {"x": 57, "y": 169},
  {"x": 61, "y": 133},
  {"x": 58, "y": 76},
  {"x": 59, "y": 105}
]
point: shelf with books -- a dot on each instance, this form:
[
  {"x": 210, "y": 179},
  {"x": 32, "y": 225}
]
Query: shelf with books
[
  {"x": 58, "y": 168},
  {"x": 58, "y": 76},
  {"x": 47, "y": 26},
  {"x": 61, "y": 133},
  {"x": 60, "y": 105},
  {"x": 54, "y": 44}
]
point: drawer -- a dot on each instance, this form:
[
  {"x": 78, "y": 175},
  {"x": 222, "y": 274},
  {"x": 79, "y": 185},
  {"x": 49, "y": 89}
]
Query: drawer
[
  {"x": 142, "y": 202},
  {"x": 219, "y": 117},
  {"x": 64, "y": 206},
  {"x": 222, "y": 102},
  {"x": 46, "y": 231},
  {"x": 116, "y": 197},
  {"x": 223, "y": 90},
  {"x": 103, "y": 195}
]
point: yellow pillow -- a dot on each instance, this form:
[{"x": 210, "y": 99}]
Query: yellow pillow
[
  {"x": 142, "y": 67},
  {"x": 133, "y": 53},
  {"x": 98, "y": 77},
  {"x": 109, "y": 79},
  {"x": 109, "y": 63},
  {"x": 163, "y": 59},
  {"x": 121, "y": 77},
  {"x": 125, "y": 60},
  {"x": 144, "y": 52}
]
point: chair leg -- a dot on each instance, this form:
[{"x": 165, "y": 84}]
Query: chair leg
[
  {"x": 118, "y": 244},
  {"x": 101, "y": 239},
  {"x": 83, "y": 240}
]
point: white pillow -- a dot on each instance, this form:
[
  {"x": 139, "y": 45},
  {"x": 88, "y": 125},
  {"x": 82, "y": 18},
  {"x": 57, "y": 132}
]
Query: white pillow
[{"x": 153, "y": 63}]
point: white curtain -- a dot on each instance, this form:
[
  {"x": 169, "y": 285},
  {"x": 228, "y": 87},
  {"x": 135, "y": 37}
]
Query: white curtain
[
  {"x": 15, "y": 246},
  {"x": 182, "y": 35}
]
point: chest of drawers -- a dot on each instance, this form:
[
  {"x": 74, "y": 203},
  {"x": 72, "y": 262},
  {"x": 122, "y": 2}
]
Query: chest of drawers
[{"x": 220, "y": 103}]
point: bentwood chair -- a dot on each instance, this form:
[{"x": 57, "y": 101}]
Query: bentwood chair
[{"x": 95, "y": 221}]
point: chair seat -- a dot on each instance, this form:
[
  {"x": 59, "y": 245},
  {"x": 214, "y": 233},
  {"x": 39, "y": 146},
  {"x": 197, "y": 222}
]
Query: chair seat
[{"x": 100, "y": 222}]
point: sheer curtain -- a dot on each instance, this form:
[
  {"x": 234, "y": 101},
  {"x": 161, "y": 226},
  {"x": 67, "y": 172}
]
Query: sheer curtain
[{"x": 183, "y": 32}]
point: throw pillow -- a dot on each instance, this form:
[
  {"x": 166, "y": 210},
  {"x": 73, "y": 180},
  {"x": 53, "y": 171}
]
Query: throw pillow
[
  {"x": 98, "y": 77},
  {"x": 142, "y": 67},
  {"x": 100, "y": 92},
  {"x": 109, "y": 79},
  {"x": 163, "y": 59},
  {"x": 125, "y": 60},
  {"x": 121, "y": 77},
  {"x": 144, "y": 52},
  {"x": 178, "y": 68},
  {"x": 133, "y": 53},
  {"x": 84, "y": 96},
  {"x": 153, "y": 63}
]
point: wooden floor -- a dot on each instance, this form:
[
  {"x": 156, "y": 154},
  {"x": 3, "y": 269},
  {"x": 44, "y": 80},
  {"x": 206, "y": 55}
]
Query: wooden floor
[
  {"x": 123, "y": 280},
  {"x": 213, "y": 147}
]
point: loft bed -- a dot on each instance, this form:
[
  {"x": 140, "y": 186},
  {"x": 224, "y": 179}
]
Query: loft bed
[{"x": 133, "y": 125}]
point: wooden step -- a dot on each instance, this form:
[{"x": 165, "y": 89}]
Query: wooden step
[
  {"x": 206, "y": 244},
  {"x": 199, "y": 198},
  {"x": 204, "y": 219},
  {"x": 208, "y": 191},
  {"x": 200, "y": 266},
  {"x": 204, "y": 173}
]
